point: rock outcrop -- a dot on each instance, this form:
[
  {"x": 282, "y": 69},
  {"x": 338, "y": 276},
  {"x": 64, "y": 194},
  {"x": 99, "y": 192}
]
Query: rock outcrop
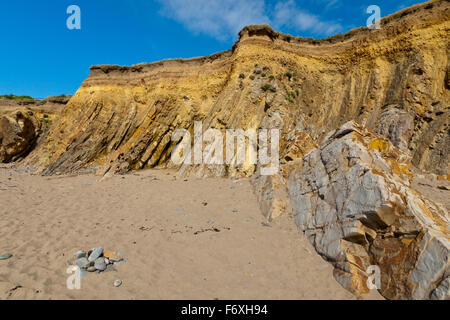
[
  {"x": 393, "y": 80},
  {"x": 25, "y": 123},
  {"x": 271, "y": 190},
  {"x": 18, "y": 133},
  {"x": 352, "y": 198}
]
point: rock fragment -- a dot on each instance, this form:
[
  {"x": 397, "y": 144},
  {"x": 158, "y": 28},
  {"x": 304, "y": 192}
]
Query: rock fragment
[
  {"x": 6, "y": 256},
  {"x": 442, "y": 292},
  {"x": 116, "y": 258},
  {"x": 91, "y": 269},
  {"x": 96, "y": 253},
  {"x": 83, "y": 263},
  {"x": 100, "y": 264}
]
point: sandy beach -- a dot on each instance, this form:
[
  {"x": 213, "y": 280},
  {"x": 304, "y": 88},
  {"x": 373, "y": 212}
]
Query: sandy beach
[{"x": 181, "y": 238}]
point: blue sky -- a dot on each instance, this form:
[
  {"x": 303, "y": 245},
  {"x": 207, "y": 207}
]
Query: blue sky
[{"x": 40, "y": 56}]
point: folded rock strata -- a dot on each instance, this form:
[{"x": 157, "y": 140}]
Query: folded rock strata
[
  {"x": 394, "y": 80},
  {"x": 352, "y": 198}
]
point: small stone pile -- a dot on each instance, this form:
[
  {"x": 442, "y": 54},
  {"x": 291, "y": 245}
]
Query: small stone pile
[{"x": 98, "y": 260}]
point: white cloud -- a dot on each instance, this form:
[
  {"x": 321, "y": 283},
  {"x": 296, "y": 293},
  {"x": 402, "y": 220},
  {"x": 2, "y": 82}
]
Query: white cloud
[
  {"x": 287, "y": 14},
  {"x": 223, "y": 19},
  {"x": 332, "y": 4}
]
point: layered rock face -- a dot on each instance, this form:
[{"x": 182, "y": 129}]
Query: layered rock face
[
  {"x": 352, "y": 198},
  {"x": 393, "y": 80}
]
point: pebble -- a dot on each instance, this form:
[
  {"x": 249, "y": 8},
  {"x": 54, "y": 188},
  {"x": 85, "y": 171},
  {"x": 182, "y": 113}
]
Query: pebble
[
  {"x": 97, "y": 260},
  {"x": 6, "y": 256},
  {"x": 116, "y": 258},
  {"x": 96, "y": 253},
  {"x": 100, "y": 264},
  {"x": 108, "y": 254},
  {"x": 117, "y": 283},
  {"x": 80, "y": 254},
  {"x": 83, "y": 263},
  {"x": 91, "y": 269}
]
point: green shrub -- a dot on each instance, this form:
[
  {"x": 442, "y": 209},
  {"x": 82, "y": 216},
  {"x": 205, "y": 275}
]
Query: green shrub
[
  {"x": 14, "y": 97},
  {"x": 242, "y": 76},
  {"x": 267, "y": 87}
]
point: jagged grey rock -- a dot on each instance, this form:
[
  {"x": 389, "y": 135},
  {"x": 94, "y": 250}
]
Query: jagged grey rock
[
  {"x": 397, "y": 125},
  {"x": 442, "y": 292},
  {"x": 352, "y": 198}
]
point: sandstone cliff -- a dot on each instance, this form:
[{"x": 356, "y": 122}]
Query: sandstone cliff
[
  {"x": 386, "y": 90},
  {"x": 393, "y": 80}
]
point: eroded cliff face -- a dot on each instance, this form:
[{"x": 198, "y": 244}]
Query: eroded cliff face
[{"x": 393, "y": 80}]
